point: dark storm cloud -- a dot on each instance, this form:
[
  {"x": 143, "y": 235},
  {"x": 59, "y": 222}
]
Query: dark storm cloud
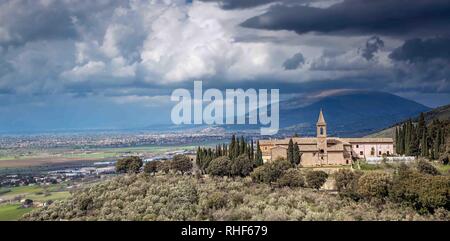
[
  {"x": 421, "y": 50},
  {"x": 46, "y": 24},
  {"x": 423, "y": 64},
  {"x": 385, "y": 17},
  {"x": 55, "y": 20},
  {"x": 240, "y": 4},
  {"x": 294, "y": 62},
  {"x": 372, "y": 46}
]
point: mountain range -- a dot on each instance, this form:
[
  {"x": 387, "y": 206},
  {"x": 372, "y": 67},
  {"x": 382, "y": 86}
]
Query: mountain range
[{"x": 349, "y": 113}]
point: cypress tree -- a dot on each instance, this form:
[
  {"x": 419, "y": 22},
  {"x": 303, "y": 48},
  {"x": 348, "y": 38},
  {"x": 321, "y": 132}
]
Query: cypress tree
[
  {"x": 232, "y": 147},
  {"x": 252, "y": 151},
  {"x": 237, "y": 148},
  {"x": 421, "y": 127},
  {"x": 436, "y": 147},
  {"x": 198, "y": 160},
  {"x": 407, "y": 137},
  {"x": 413, "y": 146},
  {"x": 290, "y": 152},
  {"x": 397, "y": 143},
  {"x": 296, "y": 155},
  {"x": 258, "y": 156},
  {"x": 402, "y": 139},
  {"x": 424, "y": 145},
  {"x": 242, "y": 148}
]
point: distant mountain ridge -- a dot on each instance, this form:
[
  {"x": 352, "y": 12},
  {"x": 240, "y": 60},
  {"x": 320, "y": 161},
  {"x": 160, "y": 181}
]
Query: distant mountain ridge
[
  {"x": 351, "y": 113},
  {"x": 348, "y": 113}
]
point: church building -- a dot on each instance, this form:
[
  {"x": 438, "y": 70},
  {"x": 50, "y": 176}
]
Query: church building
[{"x": 327, "y": 151}]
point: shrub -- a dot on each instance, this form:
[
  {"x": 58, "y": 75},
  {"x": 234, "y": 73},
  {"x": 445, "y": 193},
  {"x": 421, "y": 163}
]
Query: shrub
[
  {"x": 151, "y": 167},
  {"x": 427, "y": 168},
  {"x": 259, "y": 174},
  {"x": 164, "y": 166},
  {"x": 444, "y": 159},
  {"x": 216, "y": 200},
  {"x": 403, "y": 170},
  {"x": 424, "y": 192},
  {"x": 219, "y": 166},
  {"x": 374, "y": 185},
  {"x": 270, "y": 172},
  {"x": 291, "y": 178},
  {"x": 181, "y": 163},
  {"x": 129, "y": 165},
  {"x": 347, "y": 182},
  {"x": 316, "y": 179},
  {"x": 241, "y": 166}
]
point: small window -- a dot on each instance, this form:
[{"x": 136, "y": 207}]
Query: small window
[
  {"x": 321, "y": 130},
  {"x": 346, "y": 161},
  {"x": 379, "y": 153},
  {"x": 361, "y": 153},
  {"x": 388, "y": 153},
  {"x": 357, "y": 146},
  {"x": 322, "y": 151}
]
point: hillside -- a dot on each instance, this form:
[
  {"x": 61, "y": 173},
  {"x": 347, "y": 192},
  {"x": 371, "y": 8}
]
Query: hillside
[
  {"x": 350, "y": 113},
  {"x": 176, "y": 197},
  {"x": 441, "y": 113}
]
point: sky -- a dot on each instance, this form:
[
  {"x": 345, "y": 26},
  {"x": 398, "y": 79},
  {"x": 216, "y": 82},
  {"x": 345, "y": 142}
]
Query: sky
[{"x": 114, "y": 63}]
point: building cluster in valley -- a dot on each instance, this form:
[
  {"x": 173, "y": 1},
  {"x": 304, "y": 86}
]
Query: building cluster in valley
[{"x": 323, "y": 150}]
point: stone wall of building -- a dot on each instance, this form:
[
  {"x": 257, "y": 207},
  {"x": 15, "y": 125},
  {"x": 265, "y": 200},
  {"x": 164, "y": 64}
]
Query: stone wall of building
[
  {"x": 363, "y": 150},
  {"x": 279, "y": 152}
]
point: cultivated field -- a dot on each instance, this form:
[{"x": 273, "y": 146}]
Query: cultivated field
[
  {"x": 12, "y": 210},
  {"x": 66, "y": 156}
]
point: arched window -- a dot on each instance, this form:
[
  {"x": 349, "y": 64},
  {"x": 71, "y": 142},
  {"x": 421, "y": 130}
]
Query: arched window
[{"x": 321, "y": 130}]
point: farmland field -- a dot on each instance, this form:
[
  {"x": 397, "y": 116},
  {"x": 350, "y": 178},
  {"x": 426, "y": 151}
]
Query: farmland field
[
  {"x": 11, "y": 209},
  {"x": 12, "y": 212},
  {"x": 63, "y": 156}
]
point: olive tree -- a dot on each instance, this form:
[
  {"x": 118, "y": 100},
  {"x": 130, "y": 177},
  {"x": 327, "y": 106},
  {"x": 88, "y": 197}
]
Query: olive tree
[
  {"x": 241, "y": 166},
  {"x": 316, "y": 179},
  {"x": 181, "y": 163},
  {"x": 129, "y": 165},
  {"x": 219, "y": 166},
  {"x": 151, "y": 167}
]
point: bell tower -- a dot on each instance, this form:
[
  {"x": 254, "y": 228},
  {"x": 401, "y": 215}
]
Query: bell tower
[{"x": 322, "y": 139}]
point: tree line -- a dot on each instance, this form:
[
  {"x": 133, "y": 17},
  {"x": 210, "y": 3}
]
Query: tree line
[
  {"x": 238, "y": 147},
  {"x": 418, "y": 139}
]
